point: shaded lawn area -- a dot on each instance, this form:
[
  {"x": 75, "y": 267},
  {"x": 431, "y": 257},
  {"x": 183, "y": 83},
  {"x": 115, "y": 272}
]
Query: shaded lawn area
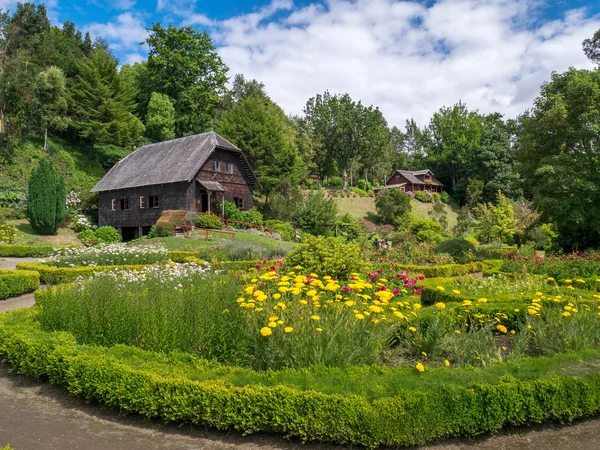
[{"x": 26, "y": 235}]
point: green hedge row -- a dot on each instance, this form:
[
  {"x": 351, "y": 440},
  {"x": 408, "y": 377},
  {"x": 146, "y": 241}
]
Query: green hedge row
[
  {"x": 411, "y": 417},
  {"x": 57, "y": 275},
  {"x": 17, "y": 282},
  {"x": 445, "y": 270},
  {"x": 34, "y": 251}
]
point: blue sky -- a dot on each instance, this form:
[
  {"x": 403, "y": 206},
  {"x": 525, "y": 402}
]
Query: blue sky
[{"x": 407, "y": 57}]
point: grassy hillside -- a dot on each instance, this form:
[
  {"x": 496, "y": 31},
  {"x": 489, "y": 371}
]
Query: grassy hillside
[
  {"x": 361, "y": 207},
  {"x": 64, "y": 236}
]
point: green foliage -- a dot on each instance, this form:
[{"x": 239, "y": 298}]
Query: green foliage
[
  {"x": 461, "y": 250},
  {"x": 422, "y": 196},
  {"x": 284, "y": 229},
  {"x": 107, "y": 235},
  {"x": 350, "y": 228},
  {"x": 8, "y": 233},
  {"x": 50, "y": 100},
  {"x": 393, "y": 207},
  {"x": 252, "y": 216},
  {"x": 17, "y": 282},
  {"x": 438, "y": 213},
  {"x": 317, "y": 214},
  {"x": 327, "y": 256},
  {"x": 46, "y": 200},
  {"x": 426, "y": 230},
  {"x": 88, "y": 237},
  {"x": 442, "y": 270},
  {"x": 21, "y": 251},
  {"x": 60, "y": 275},
  {"x": 334, "y": 182},
  {"x": 160, "y": 118},
  {"x": 445, "y": 197},
  {"x": 495, "y": 221},
  {"x": 102, "y": 108},
  {"x": 184, "y": 65},
  {"x": 591, "y": 47},
  {"x": 209, "y": 221}
]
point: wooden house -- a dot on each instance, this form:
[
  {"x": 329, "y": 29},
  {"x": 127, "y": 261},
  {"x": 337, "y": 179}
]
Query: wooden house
[
  {"x": 412, "y": 181},
  {"x": 188, "y": 173}
]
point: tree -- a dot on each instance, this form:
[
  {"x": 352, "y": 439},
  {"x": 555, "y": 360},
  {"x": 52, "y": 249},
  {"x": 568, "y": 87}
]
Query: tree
[
  {"x": 439, "y": 214},
  {"x": 559, "y": 152},
  {"x": 347, "y": 129},
  {"x": 526, "y": 217},
  {"x": 46, "y": 204},
  {"x": 317, "y": 215},
  {"x": 100, "y": 107},
  {"x": 496, "y": 221},
  {"x": 160, "y": 119},
  {"x": 393, "y": 207},
  {"x": 184, "y": 64},
  {"x": 591, "y": 47},
  {"x": 50, "y": 101}
]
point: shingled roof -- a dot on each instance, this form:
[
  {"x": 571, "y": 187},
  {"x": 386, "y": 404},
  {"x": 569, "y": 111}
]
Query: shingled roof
[
  {"x": 171, "y": 161},
  {"x": 411, "y": 176}
]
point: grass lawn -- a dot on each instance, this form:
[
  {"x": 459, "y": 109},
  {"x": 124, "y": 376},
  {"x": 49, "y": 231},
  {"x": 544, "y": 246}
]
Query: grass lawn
[
  {"x": 26, "y": 235},
  {"x": 215, "y": 239},
  {"x": 361, "y": 207}
]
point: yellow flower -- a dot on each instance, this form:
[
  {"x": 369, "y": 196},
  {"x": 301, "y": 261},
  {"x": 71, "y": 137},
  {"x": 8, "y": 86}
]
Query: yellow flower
[
  {"x": 315, "y": 317},
  {"x": 319, "y": 329},
  {"x": 303, "y": 302},
  {"x": 273, "y": 318},
  {"x": 568, "y": 281},
  {"x": 566, "y": 314},
  {"x": 550, "y": 279},
  {"x": 424, "y": 354},
  {"x": 538, "y": 294},
  {"x": 311, "y": 293},
  {"x": 413, "y": 329},
  {"x": 280, "y": 306},
  {"x": 439, "y": 306},
  {"x": 350, "y": 303},
  {"x": 297, "y": 267},
  {"x": 501, "y": 328},
  {"x": 420, "y": 367},
  {"x": 359, "y": 316},
  {"x": 280, "y": 322},
  {"x": 417, "y": 306},
  {"x": 272, "y": 324},
  {"x": 440, "y": 288},
  {"x": 482, "y": 300},
  {"x": 457, "y": 331},
  {"x": 276, "y": 296},
  {"x": 266, "y": 331},
  {"x": 288, "y": 329},
  {"x": 447, "y": 363},
  {"x": 455, "y": 291},
  {"x": 399, "y": 315},
  {"x": 467, "y": 303}
]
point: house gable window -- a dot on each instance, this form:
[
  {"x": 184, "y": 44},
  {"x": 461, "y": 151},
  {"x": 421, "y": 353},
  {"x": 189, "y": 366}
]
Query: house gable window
[
  {"x": 239, "y": 202},
  {"x": 229, "y": 168},
  {"x": 153, "y": 201},
  {"x": 216, "y": 166}
]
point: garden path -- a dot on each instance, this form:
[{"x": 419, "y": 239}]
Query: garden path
[{"x": 11, "y": 263}]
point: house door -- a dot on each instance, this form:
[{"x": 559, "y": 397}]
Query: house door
[{"x": 204, "y": 201}]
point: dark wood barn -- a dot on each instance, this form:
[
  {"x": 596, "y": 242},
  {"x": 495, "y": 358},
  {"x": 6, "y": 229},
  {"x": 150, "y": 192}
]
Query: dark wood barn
[{"x": 189, "y": 173}]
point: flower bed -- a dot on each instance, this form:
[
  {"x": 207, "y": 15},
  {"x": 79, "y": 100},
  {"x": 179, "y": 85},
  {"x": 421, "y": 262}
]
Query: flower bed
[
  {"x": 575, "y": 265},
  {"x": 109, "y": 255},
  {"x": 372, "y": 407},
  {"x": 17, "y": 282},
  {"x": 57, "y": 275}
]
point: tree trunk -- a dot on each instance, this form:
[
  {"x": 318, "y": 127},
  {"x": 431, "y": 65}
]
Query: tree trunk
[
  {"x": 46, "y": 139},
  {"x": 91, "y": 150},
  {"x": 344, "y": 178}
]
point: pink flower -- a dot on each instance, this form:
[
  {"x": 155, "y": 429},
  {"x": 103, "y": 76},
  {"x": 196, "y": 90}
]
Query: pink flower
[
  {"x": 272, "y": 267},
  {"x": 346, "y": 289},
  {"x": 417, "y": 291},
  {"x": 396, "y": 291},
  {"x": 264, "y": 261},
  {"x": 257, "y": 267}
]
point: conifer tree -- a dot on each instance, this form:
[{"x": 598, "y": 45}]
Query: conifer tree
[{"x": 46, "y": 205}]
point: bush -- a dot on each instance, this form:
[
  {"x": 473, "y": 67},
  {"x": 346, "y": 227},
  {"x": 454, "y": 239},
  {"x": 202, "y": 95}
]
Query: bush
[
  {"x": 8, "y": 233},
  {"x": 46, "y": 206},
  {"x": 472, "y": 240},
  {"x": 252, "y": 216},
  {"x": 445, "y": 197},
  {"x": 107, "y": 235},
  {"x": 209, "y": 221},
  {"x": 285, "y": 230},
  {"x": 393, "y": 206},
  {"x": 88, "y": 237},
  {"x": 317, "y": 215},
  {"x": 17, "y": 282},
  {"x": 21, "y": 251},
  {"x": 422, "y": 196},
  {"x": 373, "y": 407},
  {"x": 426, "y": 230},
  {"x": 364, "y": 185},
  {"x": 327, "y": 256},
  {"x": 360, "y": 192},
  {"x": 460, "y": 249},
  {"x": 334, "y": 182}
]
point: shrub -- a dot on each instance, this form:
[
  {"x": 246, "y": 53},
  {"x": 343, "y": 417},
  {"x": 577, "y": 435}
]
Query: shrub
[
  {"x": 231, "y": 211},
  {"x": 445, "y": 197},
  {"x": 285, "y": 230},
  {"x": 422, "y": 196},
  {"x": 252, "y": 216},
  {"x": 327, "y": 256},
  {"x": 209, "y": 221},
  {"x": 19, "y": 251},
  {"x": 8, "y": 233},
  {"x": 317, "y": 215},
  {"x": 46, "y": 206},
  {"x": 364, "y": 185},
  {"x": 472, "y": 240},
  {"x": 360, "y": 192},
  {"x": 87, "y": 237},
  {"x": 426, "y": 230},
  {"x": 460, "y": 249},
  {"x": 393, "y": 206},
  {"x": 17, "y": 282},
  {"x": 108, "y": 235},
  {"x": 334, "y": 182},
  {"x": 436, "y": 197}
]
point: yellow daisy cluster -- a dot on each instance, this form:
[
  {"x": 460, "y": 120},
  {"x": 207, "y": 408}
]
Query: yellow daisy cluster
[
  {"x": 8, "y": 233},
  {"x": 293, "y": 301}
]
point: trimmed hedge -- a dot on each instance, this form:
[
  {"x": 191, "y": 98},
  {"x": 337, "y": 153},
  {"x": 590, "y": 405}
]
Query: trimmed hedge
[
  {"x": 410, "y": 417},
  {"x": 17, "y": 282},
  {"x": 57, "y": 275},
  {"x": 34, "y": 251},
  {"x": 445, "y": 270}
]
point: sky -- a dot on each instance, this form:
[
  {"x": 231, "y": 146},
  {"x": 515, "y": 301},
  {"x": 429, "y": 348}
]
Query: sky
[{"x": 409, "y": 58}]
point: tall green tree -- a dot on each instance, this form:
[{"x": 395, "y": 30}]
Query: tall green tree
[
  {"x": 393, "y": 207},
  {"x": 591, "y": 47},
  {"x": 184, "y": 64},
  {"x": 559, "y": 151},
  {"x": 46, "y": 203},
  {"x": 50, "y": 101},
  {"x": 101, "y": 108},
  {"x": 160, "y": 119}
]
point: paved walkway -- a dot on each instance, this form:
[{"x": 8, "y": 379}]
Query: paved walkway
[{"x": 11, "y": 263}]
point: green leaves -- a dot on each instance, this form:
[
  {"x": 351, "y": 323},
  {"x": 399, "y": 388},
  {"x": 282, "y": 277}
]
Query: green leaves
[{"x": 46, "y": 199}]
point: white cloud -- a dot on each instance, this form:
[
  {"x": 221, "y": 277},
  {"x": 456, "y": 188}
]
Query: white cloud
[
  {"x": 124, "y": 33},
  {"x": 403, "y": 56},
  {"x": 133, "y": 58}
]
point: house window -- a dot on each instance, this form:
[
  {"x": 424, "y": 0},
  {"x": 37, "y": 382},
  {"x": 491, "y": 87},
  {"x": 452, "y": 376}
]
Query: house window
[
  {"x": 153, "y": 201},
  {"x": 114, "y": 204},
  {"x": 239, "y": 202},
  {"x": 123, "y": 204},
  {"x": 216, "y": 166},
  {"x": 142, "y": 202},
  {"x": 229, "y": 168}
]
